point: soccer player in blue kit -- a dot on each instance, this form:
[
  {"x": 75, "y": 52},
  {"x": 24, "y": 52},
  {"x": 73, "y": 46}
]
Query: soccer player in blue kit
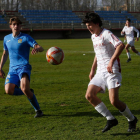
[{"x": 17, "y": 47}]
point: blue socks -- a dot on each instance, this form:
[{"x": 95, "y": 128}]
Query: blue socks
[
  {"x": 34, "y": 103},
  {"x": 18, "y": 91}
]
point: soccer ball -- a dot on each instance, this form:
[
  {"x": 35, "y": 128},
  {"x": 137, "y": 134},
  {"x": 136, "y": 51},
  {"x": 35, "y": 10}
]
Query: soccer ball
[{"x": 55, "y": 55}]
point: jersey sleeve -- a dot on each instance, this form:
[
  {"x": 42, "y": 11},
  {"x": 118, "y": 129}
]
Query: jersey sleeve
[
  {"x": 4, "y": 45},
  {"x": 136, "y": 30},
  {"x": 123, "y": 30},
  {"x": 111, "y": 38},
  {"x": 31, "y": 41}
]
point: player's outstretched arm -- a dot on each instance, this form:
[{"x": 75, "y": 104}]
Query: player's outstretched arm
[
  {"x": 93, "y": 68},
  {"x": 37, "y": 48},
  {"x": 3, "y": 60},
  {"x": 137, "y": 31},
  {"x": 116, "y": 54},
  {"x": 122, "y": 33}
]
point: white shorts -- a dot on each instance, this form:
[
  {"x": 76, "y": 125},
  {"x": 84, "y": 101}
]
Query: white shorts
[
  {"x": 130, "y": 42},
  {"x": 106, "y": 79}
]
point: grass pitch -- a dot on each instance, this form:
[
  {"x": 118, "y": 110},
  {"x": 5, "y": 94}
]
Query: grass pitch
[{"x": 60, "y": 90}]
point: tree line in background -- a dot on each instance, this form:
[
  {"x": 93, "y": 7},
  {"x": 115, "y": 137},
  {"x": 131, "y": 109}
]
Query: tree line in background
[
  {"x": 74, "y": 5},
  {"x": 122, "y": 5}
]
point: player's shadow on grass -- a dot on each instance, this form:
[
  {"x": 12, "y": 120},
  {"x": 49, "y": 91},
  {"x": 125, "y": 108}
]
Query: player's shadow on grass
[
  {"x": 93, "y": 113},
  {"x": 71, "y": 114},
  {"x": 127, "y": 134},
  {"x": 96, "y": 114}
]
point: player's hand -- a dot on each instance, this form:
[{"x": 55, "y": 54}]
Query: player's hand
[
  {"x": 137, "y": 39},
  {"x": 34, "y": 51},
  {"x": 2, "y": 74},
  {"x": 91, "y": 75},
  {"x": 109, "y": 67},
  {"x": 122, "y": 33}
]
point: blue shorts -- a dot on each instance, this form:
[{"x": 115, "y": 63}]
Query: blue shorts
[{"x": 14, "y": 76}]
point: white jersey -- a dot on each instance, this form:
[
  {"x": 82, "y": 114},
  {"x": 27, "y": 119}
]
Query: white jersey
[
  {"x": 104, "y": 46},
  {"x": 129, "y": 32}
]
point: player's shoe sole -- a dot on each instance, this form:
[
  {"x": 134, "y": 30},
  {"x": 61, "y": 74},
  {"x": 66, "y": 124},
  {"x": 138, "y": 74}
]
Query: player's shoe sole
[
  {"x": 132, "y": 125},
  {"x": 110, "y": 124}
]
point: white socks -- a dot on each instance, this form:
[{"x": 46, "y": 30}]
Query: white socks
[
  {"x": 127, "y": 113},
  {"x": 102, "y": 109},
  {"x": 128, "y": 55}
]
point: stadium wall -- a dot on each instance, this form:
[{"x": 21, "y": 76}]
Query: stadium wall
[{"x": 58, "y": 34}]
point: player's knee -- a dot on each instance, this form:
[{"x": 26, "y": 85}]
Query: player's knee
[
  {"x": 9, "y": 91},
  {"x": 24, "y": 90},
  {"x": 89, "y": 96},
  {"x": 114, "y": 102},
  {"x": 86, "y": 96},
  {"x": 27, "y": 92},
  {"x": 126, "y": 48}
]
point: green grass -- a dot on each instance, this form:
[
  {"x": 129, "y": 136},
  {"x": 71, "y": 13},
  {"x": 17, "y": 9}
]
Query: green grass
[{"x": 60, "y": 90}]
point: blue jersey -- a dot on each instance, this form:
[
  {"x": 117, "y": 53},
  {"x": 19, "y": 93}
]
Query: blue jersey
[{"x": 18, "y": 49}]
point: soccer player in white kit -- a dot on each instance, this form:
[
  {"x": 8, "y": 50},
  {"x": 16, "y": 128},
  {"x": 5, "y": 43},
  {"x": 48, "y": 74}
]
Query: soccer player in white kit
[
  {"x": 128, "y": 30},
  {"x": 107, "y": 49}
]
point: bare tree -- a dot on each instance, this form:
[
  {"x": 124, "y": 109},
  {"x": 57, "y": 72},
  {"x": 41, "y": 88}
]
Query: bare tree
[
  {"x": 74, "y": 5},
  {"x": 113, "y": 5},
  {"x": 93, "y": 5},
  {"x": 136, "y": 5}
]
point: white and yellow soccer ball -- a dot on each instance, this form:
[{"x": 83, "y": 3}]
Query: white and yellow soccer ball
[{"x": 55, "y": 55}]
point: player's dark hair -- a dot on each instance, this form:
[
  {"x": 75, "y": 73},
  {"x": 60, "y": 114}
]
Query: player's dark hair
[
  {"x": 92, "y": 17},
  {"x": 15, "y": 19},
  {"x": 128, "y": 19}
]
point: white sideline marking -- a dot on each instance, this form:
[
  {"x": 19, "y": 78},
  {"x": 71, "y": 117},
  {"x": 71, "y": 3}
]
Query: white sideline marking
[
  {"x": 84, "y": 52},
  {"x": 88, "y": 52},
  {"x": 79, "y": 52}
]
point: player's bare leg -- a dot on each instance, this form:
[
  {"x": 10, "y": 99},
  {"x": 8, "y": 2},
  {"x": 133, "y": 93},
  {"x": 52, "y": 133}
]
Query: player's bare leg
[
  {"x": 9, "y": 88},
  {"x": 114, "y": 99},
  {"x": 12, "y": 89},
  {"x": 127, "y": 52},
  {"x": 25, "y": 87},
  {"x": 91, "y": 96},
  {"x": 135, "y": 51}
]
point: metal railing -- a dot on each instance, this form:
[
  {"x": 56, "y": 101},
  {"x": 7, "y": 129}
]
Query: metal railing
[
  {"x": 71, "y": 25},
  {"x": 53, "y": 25}
]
